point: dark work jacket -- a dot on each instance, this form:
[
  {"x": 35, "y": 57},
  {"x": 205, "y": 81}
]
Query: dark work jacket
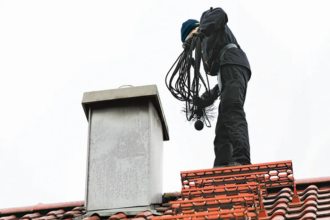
[{"x": 213, "y": 25}]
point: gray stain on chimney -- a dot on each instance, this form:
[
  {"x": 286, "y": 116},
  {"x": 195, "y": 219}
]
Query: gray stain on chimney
[
  {"x": 120, "y": 164},
  {"x": 125, "y": 150}
]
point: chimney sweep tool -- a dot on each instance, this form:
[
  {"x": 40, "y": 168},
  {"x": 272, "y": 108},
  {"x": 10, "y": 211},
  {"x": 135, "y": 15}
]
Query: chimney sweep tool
[{"x": 185, "y": 85}]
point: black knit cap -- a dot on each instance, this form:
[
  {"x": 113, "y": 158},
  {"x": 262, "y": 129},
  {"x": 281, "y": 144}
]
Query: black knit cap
[{"x": 187, "y": 27}]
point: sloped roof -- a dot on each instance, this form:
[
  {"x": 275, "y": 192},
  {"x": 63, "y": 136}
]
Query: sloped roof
[
  {"x": 313, "y": 193},
  {"x": 315, "y": 203},
  {"x": 284, "y": 198},
  {"x": 59, "y": 211},
  {"x": 64, "y": 210},
  {"x": 259, "y": 191}
]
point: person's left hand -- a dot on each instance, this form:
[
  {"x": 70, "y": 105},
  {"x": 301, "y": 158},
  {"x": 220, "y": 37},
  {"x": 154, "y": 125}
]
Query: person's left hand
[{"x": 187, "y": 43}]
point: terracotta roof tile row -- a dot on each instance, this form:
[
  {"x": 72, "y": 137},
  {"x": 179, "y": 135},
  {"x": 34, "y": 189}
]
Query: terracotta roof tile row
[
  {"x": 315, "y": 204},
  {"x": 95, "y": 217},
  {"x": 42, "y": 215},
  {"x": 67, "y": 213},
  {"x": 229, "y": 192},
  {"x": 282, "y": 200},
  {"x": 146, "y": 215}
]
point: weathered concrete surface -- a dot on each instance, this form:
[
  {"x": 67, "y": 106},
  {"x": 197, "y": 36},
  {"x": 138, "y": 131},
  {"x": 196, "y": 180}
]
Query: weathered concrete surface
[
  {"x": 125, "y": 155},
  {"x": 106, "y": 96},
  {"x": 156, "y": 156}
]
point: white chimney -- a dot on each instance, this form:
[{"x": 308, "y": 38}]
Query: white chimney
[{"x": 127, "y": 128}]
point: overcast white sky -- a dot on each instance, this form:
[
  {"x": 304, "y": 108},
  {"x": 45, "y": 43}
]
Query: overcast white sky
[{"x": 51, "y": 52}]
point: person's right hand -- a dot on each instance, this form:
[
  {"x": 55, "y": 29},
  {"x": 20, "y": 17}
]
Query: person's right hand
[
  {"x": 203, "y": 102},
  {"x": 199, "y": 34}
]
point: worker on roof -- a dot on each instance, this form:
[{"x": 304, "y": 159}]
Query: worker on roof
[{"x": 223, "y": 57}]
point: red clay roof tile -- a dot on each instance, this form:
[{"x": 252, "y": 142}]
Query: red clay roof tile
[
  {"x": 314, "y": 204},
  {"x": 94, "y": 217},
  {"x": 118, "y": 216},
  {"x": 11, "y": 217},
  {"x": 71, "y": 214},
  {"x": 31, "y": 216},
  {"x": 313, "y": 180},
  {"x": 56, "y": 212},
  {"x": 48, "y": 217},
  {"x": 42, "y": 207},
  {"x": 144, "y": 214}
]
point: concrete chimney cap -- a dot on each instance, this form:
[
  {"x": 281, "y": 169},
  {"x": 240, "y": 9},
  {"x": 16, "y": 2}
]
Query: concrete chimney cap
[{"x": 107, "y": 96}]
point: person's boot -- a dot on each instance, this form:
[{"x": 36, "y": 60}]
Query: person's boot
[
  {"x": 219, "y": 166},
  {"x": 234, "y": 163}
]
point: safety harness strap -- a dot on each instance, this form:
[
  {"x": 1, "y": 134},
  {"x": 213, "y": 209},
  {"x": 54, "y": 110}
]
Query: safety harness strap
[
  {"x": 225, "y": 48},
  {"x": 222, "y": 53}
]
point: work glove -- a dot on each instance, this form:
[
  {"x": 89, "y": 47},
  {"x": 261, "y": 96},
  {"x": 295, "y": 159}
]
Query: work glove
[
  {"x": 213, "y": 94},
  {"x": 202, "y": 102},
  {"x": 187, "y": 43},
  {"x": 207, "y": 98}
]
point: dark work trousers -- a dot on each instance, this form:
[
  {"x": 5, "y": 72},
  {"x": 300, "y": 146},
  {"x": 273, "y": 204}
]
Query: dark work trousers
[{"x": 231, "y": 143}]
